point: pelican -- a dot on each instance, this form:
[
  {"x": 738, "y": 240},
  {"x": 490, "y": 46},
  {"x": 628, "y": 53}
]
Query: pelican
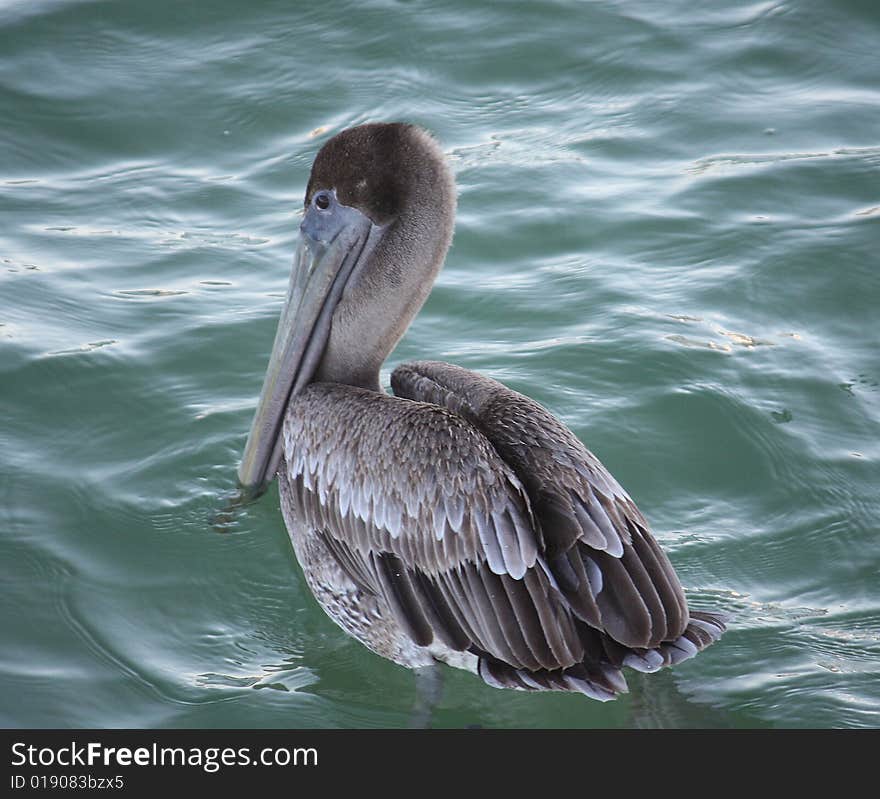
[{"x": 456, "y": 520}]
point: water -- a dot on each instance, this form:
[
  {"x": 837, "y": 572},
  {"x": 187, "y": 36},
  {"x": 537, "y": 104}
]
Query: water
[{"x": 668, "y": 233}]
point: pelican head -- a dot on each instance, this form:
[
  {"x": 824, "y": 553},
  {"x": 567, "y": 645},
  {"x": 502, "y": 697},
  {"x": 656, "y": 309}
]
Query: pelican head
[{"x": 379, "y": 215}]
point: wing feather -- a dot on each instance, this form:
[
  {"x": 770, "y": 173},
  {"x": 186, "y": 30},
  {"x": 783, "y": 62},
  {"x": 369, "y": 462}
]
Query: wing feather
[
  {"x": 484, "y": 524},
  {"x": 402, "y": 597},
  {"x": 621, "y": 581}
]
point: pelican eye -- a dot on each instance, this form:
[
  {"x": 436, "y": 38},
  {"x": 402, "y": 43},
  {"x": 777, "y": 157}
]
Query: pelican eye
[{"x": 322, "y": 200}]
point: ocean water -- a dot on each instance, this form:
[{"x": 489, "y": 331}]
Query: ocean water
[{"x": 668, "y": 233}]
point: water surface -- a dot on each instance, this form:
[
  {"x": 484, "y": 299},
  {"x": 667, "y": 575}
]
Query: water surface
[{"x": 669, "y": 220}]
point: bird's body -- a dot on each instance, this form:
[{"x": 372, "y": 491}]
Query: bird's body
[{"x": 456, "y": 521}]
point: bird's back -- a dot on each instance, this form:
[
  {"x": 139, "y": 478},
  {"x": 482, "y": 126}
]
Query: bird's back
[{"x": 461, "y": 521}]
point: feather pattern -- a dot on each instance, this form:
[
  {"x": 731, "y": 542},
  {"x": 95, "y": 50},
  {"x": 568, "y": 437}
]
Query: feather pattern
[{"x": 481, "y": 532}]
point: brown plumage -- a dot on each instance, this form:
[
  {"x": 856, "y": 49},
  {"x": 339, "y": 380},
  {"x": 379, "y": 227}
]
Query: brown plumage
[
  {"x": 472, "y": 520},
  {"x": 458, "y": 520}
]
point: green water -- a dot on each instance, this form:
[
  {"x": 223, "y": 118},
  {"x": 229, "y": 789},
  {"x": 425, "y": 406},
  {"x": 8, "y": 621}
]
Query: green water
[{"x": 668, "y": 233}]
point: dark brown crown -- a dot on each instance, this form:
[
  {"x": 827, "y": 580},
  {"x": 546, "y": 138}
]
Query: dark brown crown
[{"x": 379, "y": 168}]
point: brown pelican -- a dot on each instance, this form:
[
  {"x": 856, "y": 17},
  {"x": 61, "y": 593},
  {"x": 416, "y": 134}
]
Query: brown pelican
[{"x": 456, "y": 521}]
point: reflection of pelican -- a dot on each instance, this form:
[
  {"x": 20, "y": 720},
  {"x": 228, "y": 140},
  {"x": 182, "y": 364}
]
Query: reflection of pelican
[{"x": 458, "y": 520}]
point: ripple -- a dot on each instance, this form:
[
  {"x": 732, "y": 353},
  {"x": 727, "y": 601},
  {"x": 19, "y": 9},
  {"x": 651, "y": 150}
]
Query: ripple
[
  {"x": 869, "y": 154},
  {"x": 682, "y": 184},
  {"x": 90, "y": 347},
  {"x": 150, "y": 292}
]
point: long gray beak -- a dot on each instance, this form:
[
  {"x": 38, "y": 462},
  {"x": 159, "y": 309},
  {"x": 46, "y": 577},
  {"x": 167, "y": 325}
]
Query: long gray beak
[{"x": 335, "y": 240}]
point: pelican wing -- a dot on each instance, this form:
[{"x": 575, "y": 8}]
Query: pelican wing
[
  {"x": 597, "y": 544},
  {"x": 415, "y": 504},
  {"x": 487, "y": 526}
]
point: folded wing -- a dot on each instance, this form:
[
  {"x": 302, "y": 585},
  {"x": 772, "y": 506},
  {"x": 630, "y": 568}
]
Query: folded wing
[{"x": 486, "y": 526}]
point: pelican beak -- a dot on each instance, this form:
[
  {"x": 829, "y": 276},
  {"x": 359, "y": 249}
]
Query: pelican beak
[{"x": 335, "y": 240}]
